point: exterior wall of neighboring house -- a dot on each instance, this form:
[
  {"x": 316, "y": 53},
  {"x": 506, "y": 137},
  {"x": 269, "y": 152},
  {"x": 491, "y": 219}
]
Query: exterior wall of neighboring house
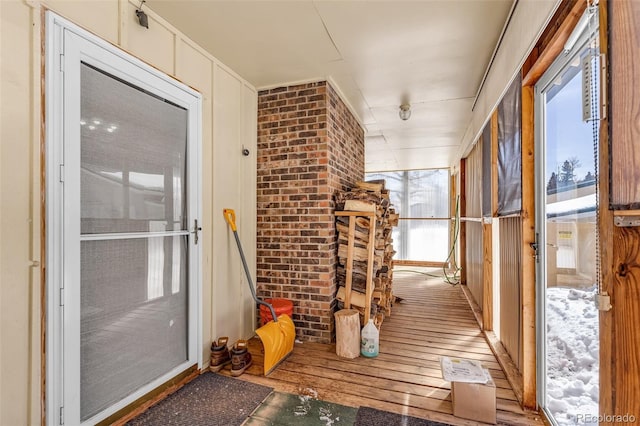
[{"x": 228, "y": 177}]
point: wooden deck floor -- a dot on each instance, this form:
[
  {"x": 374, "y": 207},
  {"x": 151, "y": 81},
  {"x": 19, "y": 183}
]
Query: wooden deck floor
[{"x": 434, "y": 319}]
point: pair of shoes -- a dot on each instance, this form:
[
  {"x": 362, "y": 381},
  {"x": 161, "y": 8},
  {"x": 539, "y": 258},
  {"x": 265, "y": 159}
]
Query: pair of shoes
[
  {"x": 219, "y": 354},
  {"x": 240, "y": 358}
]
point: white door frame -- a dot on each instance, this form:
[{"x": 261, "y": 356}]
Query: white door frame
[
  {"x": 66, "y": 45},
  {"x": 550, "y": 75}
]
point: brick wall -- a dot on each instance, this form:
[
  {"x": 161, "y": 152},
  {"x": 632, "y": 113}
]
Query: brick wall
[{"x": 309, "y": 146}]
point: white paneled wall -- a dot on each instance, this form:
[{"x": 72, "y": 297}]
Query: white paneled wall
[
  {"x": 228, "y": 177},
  {"x": 229, "y": 185}
]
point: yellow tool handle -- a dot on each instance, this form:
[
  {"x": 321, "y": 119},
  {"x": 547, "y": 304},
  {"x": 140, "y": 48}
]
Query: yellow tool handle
[{"x": 230, "y": 217}]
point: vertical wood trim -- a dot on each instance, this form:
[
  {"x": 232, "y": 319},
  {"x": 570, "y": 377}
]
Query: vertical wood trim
[
  {"x": 452, "y": 211},
  {"x": 528, "y": 278},
  {"x": 453, "y": 194},
  {"x": 625, "y": 90},
  {"x": 620, "y": 247},
  {"x": 463, "y": 225},
  {"x": 488, "y": 242},
  {"x": 494, "y": 163},
  {"x": 487, "y": 279},
  {"x": 606, "y": 241},
  {"x": 538, "y": 62},
  {"x": 625, "y": 314}
]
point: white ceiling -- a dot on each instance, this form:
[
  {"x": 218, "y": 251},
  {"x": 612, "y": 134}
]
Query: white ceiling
[{"x": 379, "y": 54}]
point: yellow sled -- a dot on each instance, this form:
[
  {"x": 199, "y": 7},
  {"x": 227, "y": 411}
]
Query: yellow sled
[{"x": 277, "y": 335}]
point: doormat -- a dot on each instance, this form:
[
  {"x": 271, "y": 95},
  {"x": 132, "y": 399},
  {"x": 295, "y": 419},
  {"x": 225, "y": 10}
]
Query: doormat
[
  {"x": 371, "y": 417},
  {"x": 285, "y": 409},
  {"x": 210, "y": 399}
]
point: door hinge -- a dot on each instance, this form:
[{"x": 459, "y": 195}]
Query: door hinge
[
  {"x": 196, "y": 229},
  {"x": 61, "y": 415},
  {"x": 61, "y": 172},
  {"x": 62, "y": 62},
  {"x": 62, "y": 297}
]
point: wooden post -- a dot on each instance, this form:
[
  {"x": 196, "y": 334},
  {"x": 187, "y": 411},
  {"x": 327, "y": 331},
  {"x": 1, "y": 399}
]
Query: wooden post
[
  {"x": 487, "y": 276},
  {"x": 452, "y": 211},
  {"x": 491, "y": 253},
  {"x": 620, "y": 332},
  {"x": 528, "y": 261},
  {"x": 463, "y": 226},
  {"x": 347, "y": 333},
  {"x": 487, "y": 266},
  {"x": 538, "y": 63}
]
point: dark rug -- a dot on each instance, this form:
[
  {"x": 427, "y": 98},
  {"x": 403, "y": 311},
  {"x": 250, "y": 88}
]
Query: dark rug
[
  {"x": 209, "y": 400},
  {"x": 371, "y": 417}
]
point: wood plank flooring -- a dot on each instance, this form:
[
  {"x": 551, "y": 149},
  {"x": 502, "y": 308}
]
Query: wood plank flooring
[{"x": 434, "y": 319}]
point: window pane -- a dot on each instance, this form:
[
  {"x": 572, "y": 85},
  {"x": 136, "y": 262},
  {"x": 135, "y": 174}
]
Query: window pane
[
  {"x": 133, "y": 316},
  {"x": 394, "y": 182},
  {"x": 428, "y": 193},
  {"x": 133, "y": 158},
  {"x": 424, "y": 240},
  {"x": 419, "y": 194}
]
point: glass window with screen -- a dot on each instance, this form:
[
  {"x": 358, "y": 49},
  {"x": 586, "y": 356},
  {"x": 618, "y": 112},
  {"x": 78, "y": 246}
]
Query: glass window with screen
[{"x": 421, "y": 197}]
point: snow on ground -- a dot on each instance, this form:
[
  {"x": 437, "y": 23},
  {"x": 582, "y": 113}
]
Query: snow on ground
[{"x": 572, "y": 355}]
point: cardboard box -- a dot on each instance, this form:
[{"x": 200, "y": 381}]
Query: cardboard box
[{"x": 474, "y": 401}]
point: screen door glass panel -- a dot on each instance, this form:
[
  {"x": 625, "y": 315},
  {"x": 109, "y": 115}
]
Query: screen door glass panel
[
  {"x": 133, "y": 316},
  {"x": 134, "y": 301},
  {"x": 133, "y": 163}
]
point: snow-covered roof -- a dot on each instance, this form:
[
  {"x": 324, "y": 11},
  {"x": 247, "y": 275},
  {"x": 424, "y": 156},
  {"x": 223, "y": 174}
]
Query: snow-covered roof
[{"x": 573, "y": 206}]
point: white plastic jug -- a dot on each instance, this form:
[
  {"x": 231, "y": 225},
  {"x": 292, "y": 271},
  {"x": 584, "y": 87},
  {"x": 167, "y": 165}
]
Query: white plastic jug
[{"x": 369, "y": 340}]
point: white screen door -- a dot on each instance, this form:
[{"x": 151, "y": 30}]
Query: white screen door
[{"x": 123, "y": 182}]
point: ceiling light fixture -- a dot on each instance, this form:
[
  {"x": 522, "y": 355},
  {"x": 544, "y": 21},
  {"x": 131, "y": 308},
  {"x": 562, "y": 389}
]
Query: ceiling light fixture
[{"x": 405, "y": 111}]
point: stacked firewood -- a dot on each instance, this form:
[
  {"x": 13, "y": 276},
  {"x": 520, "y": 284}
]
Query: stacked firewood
[{"x": 367, "y": 197}]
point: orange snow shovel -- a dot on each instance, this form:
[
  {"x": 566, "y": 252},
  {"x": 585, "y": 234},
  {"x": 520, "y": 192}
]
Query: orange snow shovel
[{"x": 277, "y": 335}]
